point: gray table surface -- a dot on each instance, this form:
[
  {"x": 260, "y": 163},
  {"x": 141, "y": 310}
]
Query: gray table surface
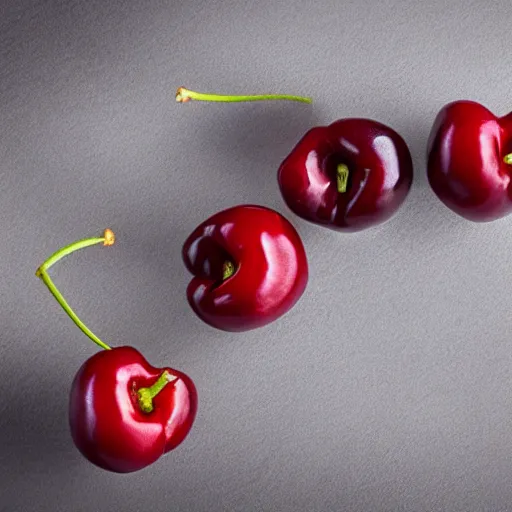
[{"x": 388, "y": 386}]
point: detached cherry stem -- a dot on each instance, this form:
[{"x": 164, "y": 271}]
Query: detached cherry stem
[
  {"x": 107, "y": 239},
  {"x": 183, "y": 95},
  {"x": 508, "y": 159}
]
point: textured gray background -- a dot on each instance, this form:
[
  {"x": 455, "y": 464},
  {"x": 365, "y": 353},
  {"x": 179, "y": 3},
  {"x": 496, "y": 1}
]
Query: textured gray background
[{"x": 387, "y": 388}]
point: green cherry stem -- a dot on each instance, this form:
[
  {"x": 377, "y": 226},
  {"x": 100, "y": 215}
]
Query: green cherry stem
[
  {"x": 342, "y": 178},
  {"x": 145, "y": 395},
  {"x": 508, "y": 159},
  {"x": 228, "y": 269},
  {"x": 42, "y": 272},
  {"x": 183, "y": 95}
]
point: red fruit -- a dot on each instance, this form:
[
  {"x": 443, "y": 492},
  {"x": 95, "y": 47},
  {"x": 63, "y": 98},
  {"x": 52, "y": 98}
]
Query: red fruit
[
  {"x": 470, "y": 161},
  {"x": 108, "y": 423},
  {"x": 123, "y": 413},
  {"x": 250, "y": 268},
  {"x": 348, "y": 176}
]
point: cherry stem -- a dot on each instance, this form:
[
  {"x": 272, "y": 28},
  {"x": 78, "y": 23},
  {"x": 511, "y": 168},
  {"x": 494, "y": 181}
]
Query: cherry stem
[
  {"x": 42, "y": 272},
  {"x": 228, "y": 269},
  {"x": 342, "y": 178},
  {"x": 145, "y": 395},
  {"x": 183, "y": 95},
  {"x": 508, "y": 159}
]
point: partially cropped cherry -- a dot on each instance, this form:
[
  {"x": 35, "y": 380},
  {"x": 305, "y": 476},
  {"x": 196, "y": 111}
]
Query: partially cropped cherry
[
  {"x": 124, "y": 414},
  {"x": 470, "y": 161}
]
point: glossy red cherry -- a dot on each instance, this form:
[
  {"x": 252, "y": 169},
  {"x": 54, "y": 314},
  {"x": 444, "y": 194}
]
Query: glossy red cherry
[
  {"x": 249, "y": 268},
  {"x": 348, "y": 176},
  {"x": 470, "y": 161},
  {"x": 123, "y": 413}
]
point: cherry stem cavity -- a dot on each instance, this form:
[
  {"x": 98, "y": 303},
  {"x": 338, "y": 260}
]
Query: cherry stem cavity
[
  {"x": 145, "y": 395},
  {"x": 508, "y": 159},
  {"x": 183, "y": 95},
  {"x": 107, "y": 239},
  {"x": 342, "y": 178}
]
